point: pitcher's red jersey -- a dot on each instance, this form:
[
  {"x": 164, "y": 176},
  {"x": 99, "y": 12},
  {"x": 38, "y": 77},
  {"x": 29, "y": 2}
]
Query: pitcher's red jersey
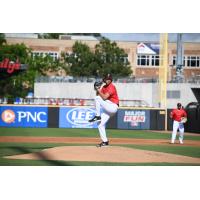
[{"x": 110, "y": 89}]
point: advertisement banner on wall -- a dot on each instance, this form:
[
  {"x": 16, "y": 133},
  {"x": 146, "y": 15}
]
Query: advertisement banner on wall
[
  {"x": 19, "y": 116},
  {"x": 133, "y": 119},
  {"x": 76, "y": 117},
  {"x": 148, "y": 48}
]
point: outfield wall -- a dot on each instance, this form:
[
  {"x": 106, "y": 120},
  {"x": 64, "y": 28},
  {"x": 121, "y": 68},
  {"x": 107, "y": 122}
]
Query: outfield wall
[{"x": 77, "y": 117}]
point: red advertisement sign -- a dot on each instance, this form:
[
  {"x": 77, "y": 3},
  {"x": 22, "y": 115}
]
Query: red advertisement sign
[{"x": 10, "y": 66}]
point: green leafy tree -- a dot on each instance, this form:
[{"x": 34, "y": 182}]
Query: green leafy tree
[
  {"x": 19, "y": 83},
  {"x": 106, "y": 58},
  {"x": 13, "y": 52},
  {"x": 112, "y": 59},
  {"x": 49, "y": 35},
  {"x": 2, "y": 39},
  {"x": 10, "y": 83},
  {"x": 81, "y": 61}
]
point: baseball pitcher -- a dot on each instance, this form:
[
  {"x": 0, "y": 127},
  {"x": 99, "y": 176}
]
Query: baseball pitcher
[{"x": 107, "y": 99}]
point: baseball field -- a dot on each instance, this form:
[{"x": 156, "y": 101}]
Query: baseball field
[{"x": 77, "y": 147}]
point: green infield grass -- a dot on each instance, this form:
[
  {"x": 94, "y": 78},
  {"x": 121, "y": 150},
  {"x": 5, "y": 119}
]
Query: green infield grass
[
  {"x": 60, "y": 132},
  {"x": 8, "y": 149}
]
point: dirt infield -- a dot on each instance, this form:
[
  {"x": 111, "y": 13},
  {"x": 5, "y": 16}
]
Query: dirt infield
[
  {"x": 87, "y": 140},
  {"x": 105, "y": 154}
]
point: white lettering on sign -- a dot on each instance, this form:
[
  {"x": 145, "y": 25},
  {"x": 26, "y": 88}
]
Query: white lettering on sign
[
  {"x": 79, "y": 116},
  {"x": 28, "y": 116},
  {"x": 134, "y": 116}
]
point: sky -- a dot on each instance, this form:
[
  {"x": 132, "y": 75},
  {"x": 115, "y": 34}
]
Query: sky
[{"x": 151, "y": 37}]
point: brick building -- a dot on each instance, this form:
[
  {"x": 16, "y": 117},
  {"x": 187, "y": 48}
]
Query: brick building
[{"x": 143, "y": 56}]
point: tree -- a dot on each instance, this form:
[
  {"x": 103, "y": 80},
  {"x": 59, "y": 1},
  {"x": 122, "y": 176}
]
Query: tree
[
  {"x": 112, "y": 59},
  {"x": 106, "y": 58},
  {"x": 50, "y": 35},
  {"x": 81, "y": 61},
  {"x": 14, "y": 51},
  {"x": 20, "y": 83},
  {"x": 10, "y": 83},
  {"x": 2, "y": 39}
]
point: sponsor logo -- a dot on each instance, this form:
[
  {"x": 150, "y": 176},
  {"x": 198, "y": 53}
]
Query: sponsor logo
[
  {"x": 80, "y": 116},
  {"x": 8, "y": 116},
  {"x": 134, "y": 117},
  {"x": 31, "y": 116},
  {"x": 10, "y": 66}
]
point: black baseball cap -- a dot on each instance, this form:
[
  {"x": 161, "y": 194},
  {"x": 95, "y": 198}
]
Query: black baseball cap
[
  {"x": 179, "y": 105},
  {"x": 107, "y": 77}
]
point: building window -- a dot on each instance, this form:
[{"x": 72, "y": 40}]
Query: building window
[
  {"x": 125, "y": 59},
  {"x": 193, "y": 61},
  {"x": 174, "y": 61},
  {"x": 54, "y": 55},
  {"x": 148, "y": 60},
  {"x": 143, "y": 60},
  {"x": 198, "y": 61},
  {"x": 155, "y": 60},
  {"x": 189, "y": 61}
]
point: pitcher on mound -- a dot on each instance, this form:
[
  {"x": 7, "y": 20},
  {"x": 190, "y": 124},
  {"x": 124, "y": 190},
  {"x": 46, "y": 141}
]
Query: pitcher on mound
[{"x": 107, "y": 100}]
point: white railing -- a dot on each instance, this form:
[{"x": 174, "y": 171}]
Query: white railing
[{"x": 68, "y": 102}]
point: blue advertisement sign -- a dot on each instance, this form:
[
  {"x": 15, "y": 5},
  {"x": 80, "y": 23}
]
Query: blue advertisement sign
[
  {"x": 23, "y": 116},
  {"x": 76, "y": 117},
  {"x": 133, "y": 119}
]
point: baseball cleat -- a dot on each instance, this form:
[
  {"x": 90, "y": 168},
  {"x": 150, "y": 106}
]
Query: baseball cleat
[
  {"x": 95, "y": 119},
  {"x": 180, "y": 141},
  {"x": 103, "y": 144}
]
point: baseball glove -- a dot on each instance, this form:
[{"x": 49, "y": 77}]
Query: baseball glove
[
  {"x": 97, "y": 85},
  {"x": 183, "y": 120}
]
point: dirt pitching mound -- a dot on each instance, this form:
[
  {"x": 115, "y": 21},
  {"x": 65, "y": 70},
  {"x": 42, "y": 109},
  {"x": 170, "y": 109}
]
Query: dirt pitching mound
[
  {"x": 90, "y": 140},
  {"x": 105, "y": 154}
]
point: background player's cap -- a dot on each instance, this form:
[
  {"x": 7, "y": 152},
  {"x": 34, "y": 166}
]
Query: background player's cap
[
  {"x": 179, "y": 105},
  {"x": 107, "y": 77}
]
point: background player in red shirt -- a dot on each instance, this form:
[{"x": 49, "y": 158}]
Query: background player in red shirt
[
  {"x": 107, "y": 99},
  {"x": 177, "y": 115}
]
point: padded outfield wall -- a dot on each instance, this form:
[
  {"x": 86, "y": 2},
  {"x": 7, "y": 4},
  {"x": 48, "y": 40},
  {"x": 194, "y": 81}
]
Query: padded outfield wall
[{"x": 77, "y": 117}]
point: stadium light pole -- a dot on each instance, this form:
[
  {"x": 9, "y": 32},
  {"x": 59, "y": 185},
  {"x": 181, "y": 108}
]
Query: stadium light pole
[{"x": 179, "y": 57}]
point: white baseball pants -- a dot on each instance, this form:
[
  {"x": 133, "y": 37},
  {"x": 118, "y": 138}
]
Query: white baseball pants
[
  {"x": 108, "y": 109},
  {"x": 177, "y": 125}
]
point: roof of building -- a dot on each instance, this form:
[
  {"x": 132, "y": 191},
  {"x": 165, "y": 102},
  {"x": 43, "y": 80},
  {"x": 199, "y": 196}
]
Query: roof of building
[{"x": 151, "y": 37}]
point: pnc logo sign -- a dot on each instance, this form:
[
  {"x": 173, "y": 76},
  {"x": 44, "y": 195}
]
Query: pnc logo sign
[
  {"x": 8, "y": 116},
  {"x": 23, "y": 116}
]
